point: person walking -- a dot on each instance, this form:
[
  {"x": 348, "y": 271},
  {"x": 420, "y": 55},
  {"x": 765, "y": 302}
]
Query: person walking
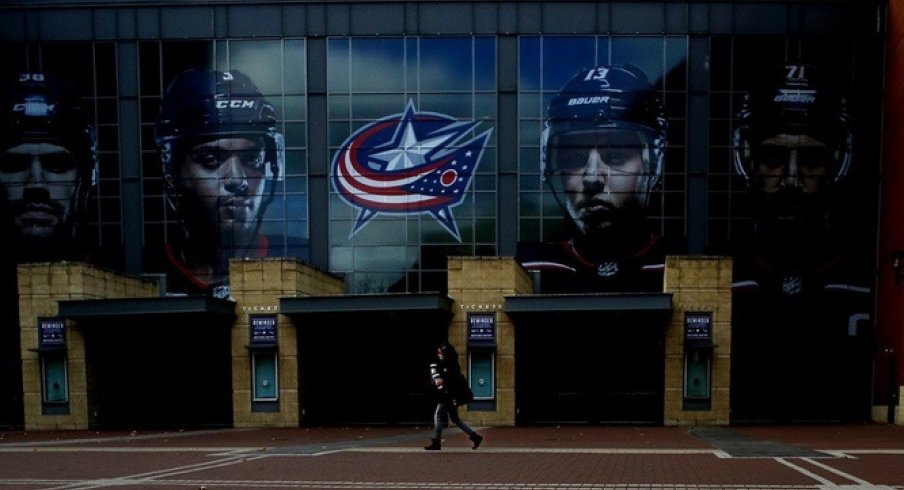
[{"x": 449, "y": 385}]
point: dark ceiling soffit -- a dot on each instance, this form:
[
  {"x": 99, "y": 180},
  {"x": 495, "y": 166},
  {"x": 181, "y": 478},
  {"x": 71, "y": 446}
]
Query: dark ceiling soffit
[
  {"x": 619, "y": 302},
  {"x": 135, "y": 307},
  {"x": 366, "y": 303}
]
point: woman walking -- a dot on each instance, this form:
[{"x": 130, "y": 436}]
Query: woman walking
[{"x": 449, "y": 384}]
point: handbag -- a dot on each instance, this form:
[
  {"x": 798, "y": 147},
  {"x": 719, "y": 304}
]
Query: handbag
[{"x": 463, "y": 394}]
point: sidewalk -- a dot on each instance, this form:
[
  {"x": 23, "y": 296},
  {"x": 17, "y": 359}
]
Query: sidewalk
[{"x": 774, "y": 457}]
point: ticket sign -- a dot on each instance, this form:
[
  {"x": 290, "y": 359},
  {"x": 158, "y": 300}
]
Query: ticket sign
[
  {"x": 698, "y": 326},
  {"x": 51, "y": 332},
  {"x": 482, "y": 328},
  {"x": 263, "y": 329}
]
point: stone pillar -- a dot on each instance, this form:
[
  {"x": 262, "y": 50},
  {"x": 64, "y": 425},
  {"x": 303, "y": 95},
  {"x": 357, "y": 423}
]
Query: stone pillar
[
  {"x": 479, "y": 285},
  {"x": 257, "y": 285},
  {"x": 698, "y": 284},
  {"x": 41, "y": 286}
]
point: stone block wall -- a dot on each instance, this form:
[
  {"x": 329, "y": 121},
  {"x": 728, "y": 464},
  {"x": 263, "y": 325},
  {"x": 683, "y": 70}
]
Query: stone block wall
[
  {"x": 698, "y": 284},
  {"x": 257, "y": 285},
  {"x": 479, "y": 285},
  {"x": 41, "y": 286},
  {"x": 879, "y": 413}
]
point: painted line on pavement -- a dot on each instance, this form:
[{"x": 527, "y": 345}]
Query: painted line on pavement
[
  {"x": 836, "y": 471},
  {"x": 536, "y": 450},
  {"x": 35, "y": 450},
  {"x": 339, "y": 484},
  {"x": 267, "y": 450},
  {"x": 281, "y": 451},
  {"x": 809, "y": 474},
  {"x": 830, "y": 485},
  {"x": 149, "y": 478},
  {"x": 843, "y": 453},
  {"x": 143, "y": 437}
]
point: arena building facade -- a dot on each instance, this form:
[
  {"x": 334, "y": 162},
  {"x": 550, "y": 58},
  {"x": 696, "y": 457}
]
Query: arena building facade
[{"x": 270, "y": 213}]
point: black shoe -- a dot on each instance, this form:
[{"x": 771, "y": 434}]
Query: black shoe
[
  {"x": 476, "y": 439},
  {"x": 434, "y": 445}
]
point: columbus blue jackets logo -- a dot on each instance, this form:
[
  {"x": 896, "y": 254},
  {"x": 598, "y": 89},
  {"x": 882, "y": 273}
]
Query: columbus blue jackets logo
[{"x": 408, "y": 163}]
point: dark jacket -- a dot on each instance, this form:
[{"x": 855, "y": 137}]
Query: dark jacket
[{"x": 453, "y": 390}]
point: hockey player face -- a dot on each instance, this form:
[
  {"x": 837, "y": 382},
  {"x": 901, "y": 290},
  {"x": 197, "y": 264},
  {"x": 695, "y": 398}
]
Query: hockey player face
[
  {"x": 792, "y": 162},
  {"x": 225, "y": 177},
  {"x": 40, "y": 180},
  {"x": 600, "y": 174},
  {"x": 792, "y": 170}
]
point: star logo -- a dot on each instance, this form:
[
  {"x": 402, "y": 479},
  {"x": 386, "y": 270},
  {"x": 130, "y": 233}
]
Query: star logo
[{"x": 408, "y": 163}]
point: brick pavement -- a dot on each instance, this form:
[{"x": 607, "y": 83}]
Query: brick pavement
[{"x": 567, "y": 457}]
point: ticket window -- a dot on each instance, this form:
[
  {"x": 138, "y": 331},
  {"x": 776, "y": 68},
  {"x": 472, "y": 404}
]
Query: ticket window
[
  {"x": 264, "y": 352},
  {"x": 698, "y": 355},
  {"x": 482, "y": 374},
  {"x": 697, "y": 369},
  {"x": 265, "y": 372},
  {"x": 482, "y": 360},
  {"x": 52, "y": 356},
  {"x": 55, "y": 389}
]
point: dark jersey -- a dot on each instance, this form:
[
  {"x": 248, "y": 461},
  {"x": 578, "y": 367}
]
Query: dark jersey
[
  {"x": 180, "y": 278},
  {"x": 562, "y": 268},
  {"x": 800, "y": 337}
]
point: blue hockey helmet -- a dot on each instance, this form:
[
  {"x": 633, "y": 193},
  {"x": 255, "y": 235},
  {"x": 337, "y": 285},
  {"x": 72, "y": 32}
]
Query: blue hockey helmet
[
  {"x": 209, "y": 103},
  {"x": 606, "y": 98}
]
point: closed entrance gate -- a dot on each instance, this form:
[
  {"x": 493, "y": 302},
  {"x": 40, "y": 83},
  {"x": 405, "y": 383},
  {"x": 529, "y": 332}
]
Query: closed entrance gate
[
  {"x": 366, "y": 368},
  {"x": 167, "y": 373},
  {"x": 809, "y": 365},
  {"x": 589, "y": 368}
]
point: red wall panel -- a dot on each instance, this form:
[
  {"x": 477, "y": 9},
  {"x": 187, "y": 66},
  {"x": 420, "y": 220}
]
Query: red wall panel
[{"x": 890, "y": 297}]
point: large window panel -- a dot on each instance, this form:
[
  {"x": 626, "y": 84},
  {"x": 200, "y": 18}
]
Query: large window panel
[
  {"x": 446, "y": 65},
  {"x": 278, "y": 224},
  {"x": 735, "y": 63},
  {"x": 377, "y": 65},
  {"x": 646, "y": 53},
  {"x": 368, "y": 107},
  {"x": 794, "y": 160},
  {"x": 547, "y": 63},
  {"x": 256, "y": 58},
  {"x": 398, "y": 105},
  {"x": 606, "y": 185},
  {"x": 84, "y": 208},
  {"x": 562, "y": 57}
]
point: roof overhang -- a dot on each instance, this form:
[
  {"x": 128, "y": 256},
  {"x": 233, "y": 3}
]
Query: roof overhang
[
  {"x": 621, "y": 303},
  {"x": 426, "y": 303},
  {"x": 135, "y": 308}
]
